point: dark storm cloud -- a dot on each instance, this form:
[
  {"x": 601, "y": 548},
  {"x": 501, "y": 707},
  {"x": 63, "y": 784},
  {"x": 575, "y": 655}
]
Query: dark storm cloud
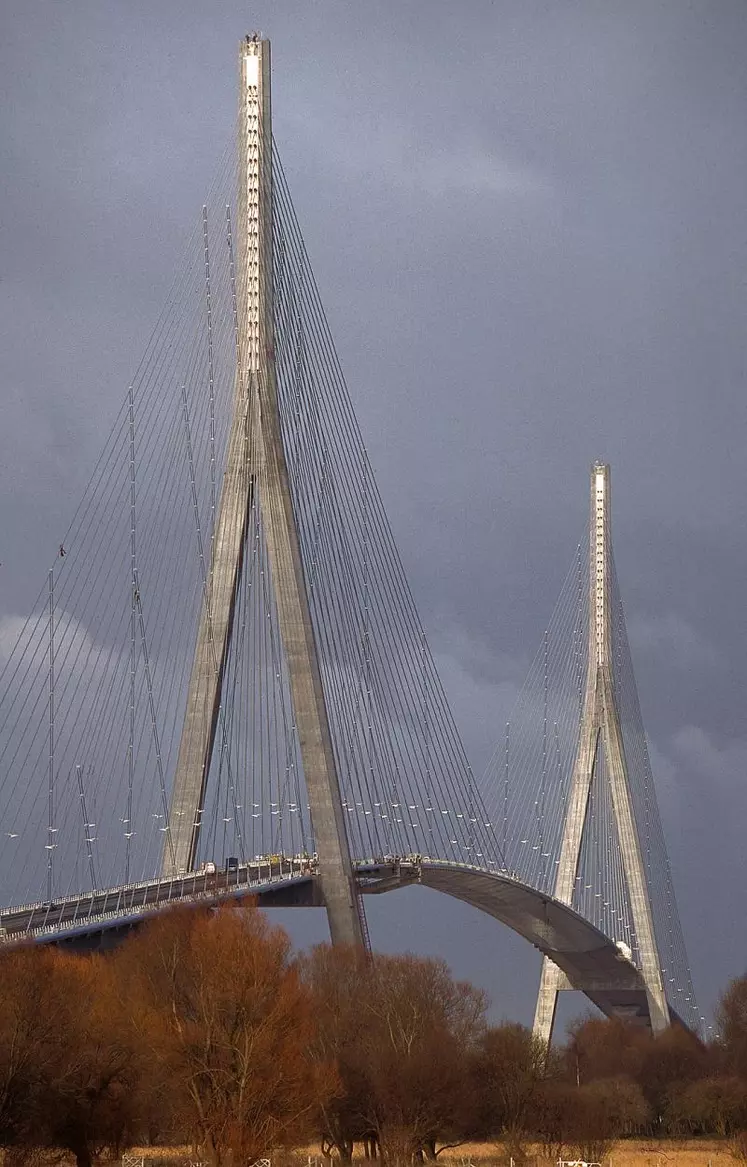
[{"x": 528, "y": 224}]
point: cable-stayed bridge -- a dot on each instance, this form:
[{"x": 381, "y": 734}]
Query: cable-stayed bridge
[{"x": 224, "y": 688}]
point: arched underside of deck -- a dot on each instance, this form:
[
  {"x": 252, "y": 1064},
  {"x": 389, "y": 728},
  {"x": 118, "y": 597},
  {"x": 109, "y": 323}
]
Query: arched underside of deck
[{"x": 590, "y": 961}]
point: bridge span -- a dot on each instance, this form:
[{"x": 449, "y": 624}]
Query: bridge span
[{"x": 589, "y": 961}]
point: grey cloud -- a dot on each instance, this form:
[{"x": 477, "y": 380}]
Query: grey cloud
[
  {"x": 724, "y": 764},
  {"x": 669, "y": 635}
]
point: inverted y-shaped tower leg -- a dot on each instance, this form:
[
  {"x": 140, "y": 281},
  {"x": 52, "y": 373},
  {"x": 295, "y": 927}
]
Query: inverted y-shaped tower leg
[
  {"x": 600, "y": 728},
  {"x": 256, "y": 454}
]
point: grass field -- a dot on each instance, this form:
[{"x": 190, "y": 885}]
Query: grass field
[{"x": 630, "y": 1153}]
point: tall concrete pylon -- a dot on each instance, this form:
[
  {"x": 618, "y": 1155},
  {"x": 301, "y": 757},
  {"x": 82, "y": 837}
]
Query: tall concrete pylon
[
  {"x": 256, "y": 460},
  {"x": 600, "y": 729}
]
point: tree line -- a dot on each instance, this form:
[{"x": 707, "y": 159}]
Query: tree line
[{"x": 204, "y": 1029}]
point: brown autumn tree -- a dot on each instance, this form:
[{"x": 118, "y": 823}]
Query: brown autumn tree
[
  {"x": 508, "y": 1071},
  {"x": 600, "y": 1047},
  {"x": 670, "y": 1062},
  {"x": 422, "y": 1027},
  {"x": 552, "y": 1117},
  {"x": 335, "y": 977},
  {"x": 27, "y": 1039},
  {"x": 89, "y": 1096},
  {"x": 732, "y": 1025},
  {"x": 219, "y": 1007},
  {"x": 401, "y": 1031},
  {"x": 64, "y": 1045},
  {"x": 602, "y": 1112},
  {"x": 709, "y": 1106}
]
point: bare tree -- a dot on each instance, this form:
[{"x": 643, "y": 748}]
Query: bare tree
[
  {"x": 337, "y": 979},
  {"x": 602, "y": 1112},
  {"x": 422, "y": 1027},
  {"x": 714, "y": 1106},
  {"x": 508, "y": 1070},
  {"x": 552, "y": 1119},
  {"x": 732, "y": 1024},
  {"x": 401, "y": 1031},
  {"x": 672, "y": 1060},
  {"x": 27, "y": 1039},
  {"x": 64, "y": 1047},
  {"x": 604, "y": 1048},
  {"x": 219, "y": 1005},
  {"x": 89, "y": 1098}
]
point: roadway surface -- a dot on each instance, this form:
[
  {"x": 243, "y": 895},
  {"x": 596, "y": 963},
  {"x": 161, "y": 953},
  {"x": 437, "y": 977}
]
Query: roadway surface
[{"x": 93, "y": 912}]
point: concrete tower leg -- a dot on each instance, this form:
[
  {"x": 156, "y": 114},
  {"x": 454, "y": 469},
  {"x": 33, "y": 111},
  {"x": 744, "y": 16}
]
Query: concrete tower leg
[
  {"x": 632, "y": 858},
  {"x": 213, "y": 638},
  {"x": 600, "y": 724}
]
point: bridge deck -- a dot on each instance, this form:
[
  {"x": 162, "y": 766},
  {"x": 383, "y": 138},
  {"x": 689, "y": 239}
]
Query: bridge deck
[{"x": 590, "y": 960}]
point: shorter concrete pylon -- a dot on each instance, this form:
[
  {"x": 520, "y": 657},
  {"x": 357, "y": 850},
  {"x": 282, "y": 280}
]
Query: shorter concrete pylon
[{"x": 600, "y": 730}]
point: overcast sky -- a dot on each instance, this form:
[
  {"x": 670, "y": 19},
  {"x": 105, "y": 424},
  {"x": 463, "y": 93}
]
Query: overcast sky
[{"x": 529, "y": 227}]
